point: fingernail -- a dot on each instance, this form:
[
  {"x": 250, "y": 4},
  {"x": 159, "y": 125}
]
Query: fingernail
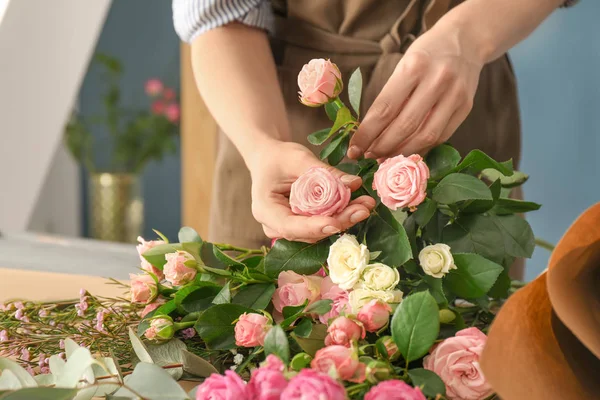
[
  {"x": 348, "y": 178},
  {"x": 369, "y": 155},
  {"x": 330, "y": 230},
  {"x": 358, "y": 216},
  {"x": 354, "y": 152}
]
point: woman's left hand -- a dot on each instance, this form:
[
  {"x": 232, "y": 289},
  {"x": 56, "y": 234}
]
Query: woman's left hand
[{"x": 427, "y": 97}]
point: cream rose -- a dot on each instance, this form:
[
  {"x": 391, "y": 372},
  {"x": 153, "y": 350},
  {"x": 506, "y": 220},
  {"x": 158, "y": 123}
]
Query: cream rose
[
  {"x": 436, "y": 260},
  {"x": 358, "y": 298},
  {"x": 379, "y": 276},
  {"x": 347, "y": 260}
]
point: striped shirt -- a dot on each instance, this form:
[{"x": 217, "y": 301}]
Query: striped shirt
[{"x": 194, "y": 17}]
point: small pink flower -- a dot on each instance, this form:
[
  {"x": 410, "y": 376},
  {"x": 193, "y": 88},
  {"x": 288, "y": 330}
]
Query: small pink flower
[
  {"x": 251, "y": 329},
  {"x": 173, "y": 112},
  {"x": 273, "y": 241},
  {"x": 331, "y": 291},
  {"x": 267, "y": 382},
  {"x": 394, "y": 390},
  {"x": 294, "y": 289},
  {"x": 158, "y": 107},
  {"x": 143, "y": 247},
  {"x": 318, "y": 192},
  {"x": 175, "y": 270},
  {"x": 223, "y": 387},
  {"x": 153, "y": 306},
  {"x": 456, "y": 361},
  {"x": 168, "y": 94},
  {"x": 342, "y": 360},
  {"x": 309, "y": 384},
  {"x": 188, "y": 333},
  {"x": 143, "y": 288},
  {"x": 344, "y": 331},
  {"x": 374, "y": 315},
  {"x": 153, "y": 87},
  {"x": 320, "y": 81},
  {"x": 274, "y": 363},
  {"x": 3, "y": 335},
  {"x": 402, "y": 181}
]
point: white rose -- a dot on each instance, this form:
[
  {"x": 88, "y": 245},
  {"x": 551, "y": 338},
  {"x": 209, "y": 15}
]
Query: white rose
[
  {"x": 347, "y": 260},
  {"x": 436, "y": 260},
  {"x": 379, "y": 276},
  {"x": 359, "y": 297}
]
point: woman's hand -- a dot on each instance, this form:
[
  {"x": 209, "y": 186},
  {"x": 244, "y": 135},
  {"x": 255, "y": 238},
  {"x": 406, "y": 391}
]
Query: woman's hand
[
  {"x": 274, "y": 167},
  {"x": 427, "y": 97}
]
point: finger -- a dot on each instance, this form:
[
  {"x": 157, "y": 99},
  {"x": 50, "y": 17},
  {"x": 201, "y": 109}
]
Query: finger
[
  {"x": 352, "y": 215},
  {"x": 352, "y": 182},
  {"x": 366, "y": 201}
]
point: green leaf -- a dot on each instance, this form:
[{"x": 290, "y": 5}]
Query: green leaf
[
  {"x": 424, "y": 212},
  {"x": 300, "y": 361},
  {"x": 349, "y": 168},
  {"x": 314, "y": 342},
  {"x": 475, "y": 233},
  {"x": 139, "y": 348},
  {"x": 481, "y": 206},
  {"x": 168, "y": 353},
  {"x": 331, "y": 109},
  {"x": 188, "y": 235},
  {"x": 156, "y": 255},
  {"x": 196, "y": 298},
  {"x": 510, "y": 206},
  {"x": 516, "y": 179},
  {"x": 41, "y": 394},
  {"x": 152, "y": 382},
  {"x": 332, "y": 146},
  {"x": 430, "y": 383},
  {"x": 355, "y": 90},
  {"x": 501, "y": 287},
  {"x": 460, "y": 187},
  {"x": 436, "y": 290},
  {"x": 276, "y": 342},
  {"x": 253, "y": 262},
  {"x": 9, "y": 381},
  {"x": 415, "y": 325},
  {"x": 215, "y": 325},
  {"x": 208, "y": 257},
  {"x": 474, "y": 275},
  {"x": 161, "y": 235},
  {"x": 224, "y": 296},
  {"x": 304, "y": 328},
  {"x": 339, "y": 152},
  {"x": 476, "y": 161},
  {"x": 441, "y": 160},
  {"x": 517, "y": 235},
  {"x": 78, "y": 367},
  {"x": 342, "y": 118},
  {"x": 319, "y": 307},
  {"x": 225, "y": 259},
  {"x": 196, "y": 365},
  {"x": 256, "y": 296},
  {"x": 290, "y": 311},
  {"x": 387, "y": 235},
  {"x": 432, "y": 232},
  {"x": 303, "y": 258},
  {"x": 23, "y": 376},
  {"x": 319, "y": 137}
]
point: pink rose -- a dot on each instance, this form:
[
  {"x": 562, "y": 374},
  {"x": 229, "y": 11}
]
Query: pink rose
[
  {"x": 320, "y": 81},
  {"x": 331, "y": 291},
  {"x": 402, "y": 181},
  {"x": 343, "y": 331},
  {"x": 143, "y": 247},
  {"x": 143, "y": 288},
  {"x": 391, "y": 348},
  {"x": 161, "y": 328},
  {"x": 158, "y": 107},
  {"x": 318, "y": 192},
  {"x": 374, "y": 315},
  {"x": 294, "y": 289},
  {"x": 172, "y": 112},
  {"x": 342, "y": 360},
  {"x": 153, "y": 87},
  {"x": 394, "y": 390},
  {"x": 456, "y": 361},
  {"x": 223, "y": 387},
  {"x": 153, "y": 306},
  {"x": 309, "y": 384},
  {"x": 168, "y": 94},
  {"x": 176, "y": 272},
  {"x": 268, "y": 381},
  {"x": 251, "y": 329}
]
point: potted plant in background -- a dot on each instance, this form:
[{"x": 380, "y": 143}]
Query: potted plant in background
[{"x": 137, "y": 137}]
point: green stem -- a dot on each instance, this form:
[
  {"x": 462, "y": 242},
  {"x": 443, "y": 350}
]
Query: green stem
[
  {"x": 228, "y": 247},
  {"x": 183, "y": 325},
  {"x": 544, "y": 244},
  {"x": 357, "y": 388}
]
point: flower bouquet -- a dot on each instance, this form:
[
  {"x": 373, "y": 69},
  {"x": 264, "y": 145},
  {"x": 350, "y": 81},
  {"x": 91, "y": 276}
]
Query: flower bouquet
[{"x": 397, "y": 307}]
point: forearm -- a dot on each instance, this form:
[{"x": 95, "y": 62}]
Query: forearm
[
  {"x": 494, "y": 26},
  {"x": 235, "y": 73}
]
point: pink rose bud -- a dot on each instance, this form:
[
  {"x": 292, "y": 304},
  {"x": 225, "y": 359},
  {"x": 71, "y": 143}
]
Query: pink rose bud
[
  {"x": 153, "y": 306},
  {"x": 153, "y": 87},
  {"x": 176, "y": 271},
  {"x": 456, "y": 361},
  {"x": 309, "y": 384},
  {"x": 268, "y": 381},
  {"x": 320, "y": 81},
  {"x": 319, "y": 192},
  {"x": 342, "y": 360},
  {"x": 143, "y": 288},
  {"x": 251, "y": 329},
  {"x": 227, "y": 387},
  {"x": 391, "y": 348},
  {"x": 143, "y": 247},
  {"x": 172, "y": 112},
  {"x": 378, "y": 371},
  {"x": 374, "y": 315},
  {"x": 168, "y": 94},
  {"x": 331, "y": 291},
  {"x": 343, "y": 331},
  {"x": 394, "y": 390},
  {"x": 158, "y": 107},
  {"x": 161, "y": 328},
  {"x": 294, "y": 289},
  {"x": 402, "y": 181}
]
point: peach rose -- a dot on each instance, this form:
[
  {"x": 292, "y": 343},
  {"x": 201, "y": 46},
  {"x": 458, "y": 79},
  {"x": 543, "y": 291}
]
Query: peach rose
[
  {"x": 143, "y": 247},
  {"x": 456, "y": 361},
  {"x": 339, "y": 297},
  {"x": 402, "y": 181},
  {"x": 318, "y": 192},
  {"x": 320, "y": 81},
  {"x": 294, "y": 289},
  {"x": 143, "y": 288},
  {"x": 176, "y": 272},
  {"x": 251, "y": 329},
  {"x": 374, "y": 315},
  {"x": 343, "y": 361},
  {"x": 344, "y": 331}
]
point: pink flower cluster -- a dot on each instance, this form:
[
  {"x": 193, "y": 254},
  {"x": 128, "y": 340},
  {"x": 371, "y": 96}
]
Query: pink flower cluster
[{"x": 165, "y": 103}]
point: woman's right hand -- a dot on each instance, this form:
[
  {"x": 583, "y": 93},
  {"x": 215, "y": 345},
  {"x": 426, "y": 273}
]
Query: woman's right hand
[{"x": 274, "y": 166}]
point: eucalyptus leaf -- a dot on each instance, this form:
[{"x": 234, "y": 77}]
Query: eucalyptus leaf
[
  {"x": 319, "y": 137},
  {"x": 474, "y": 276},
  {"x": 196, "y": 365},
  {"x": 41, "y": 394},
  {"x": 56, "y": 364},
  {"x": 457, "y": 187},
  {"x": 139, "y": 348},
  {"x": 255, "y": 296},
  {"x": 78, "y": 366},
  {"x": 441, "y": 160},
  {"x": 188, "y": 235},
  {"x": 44, "y": 380},
  {"x": 168, "y": 353},
  {"x": 430, "y": 383},
  {"x": 276, "y": 342},
  {"x": 355, "y": 85},
  {"x": 215, "y": 325},
  {"x": 23, "y": 376},
  {"x": 153, "y": 383},
  {"x": 70, "y": 347},
  {"x": 9, "y": 381},
  {"x": 303, "y": 258}
]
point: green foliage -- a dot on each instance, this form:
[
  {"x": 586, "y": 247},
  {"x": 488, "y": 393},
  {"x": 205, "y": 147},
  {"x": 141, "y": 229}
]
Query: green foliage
[
  {"x": 276, "y": 342},
  {"x": 384, "y": 233},
  {"x": 430, "y": 383},
  {"x": 303, "y": 258},
  {"x": 215, "y": 325},
  {"x": 474, "y": 276},
  {"x": 355, "y": 90}
]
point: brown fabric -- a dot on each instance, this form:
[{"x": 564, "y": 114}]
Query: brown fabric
[
  {"x": 372, "y": 35},
  {"x": 552, "y": 326}
]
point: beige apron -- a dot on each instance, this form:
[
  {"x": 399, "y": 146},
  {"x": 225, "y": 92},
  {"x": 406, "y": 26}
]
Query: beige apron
[{"x": 372, "y": 35}]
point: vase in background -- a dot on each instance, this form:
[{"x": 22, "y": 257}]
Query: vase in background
[{"x": 116, "y": 207}]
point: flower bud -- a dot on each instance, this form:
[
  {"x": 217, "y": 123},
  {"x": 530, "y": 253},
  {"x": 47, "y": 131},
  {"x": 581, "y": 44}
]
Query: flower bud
[
  {"x": 378, "y": 371},
  {"x": 161, "y": 328},
  {"x": 447, "y": 316}
]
